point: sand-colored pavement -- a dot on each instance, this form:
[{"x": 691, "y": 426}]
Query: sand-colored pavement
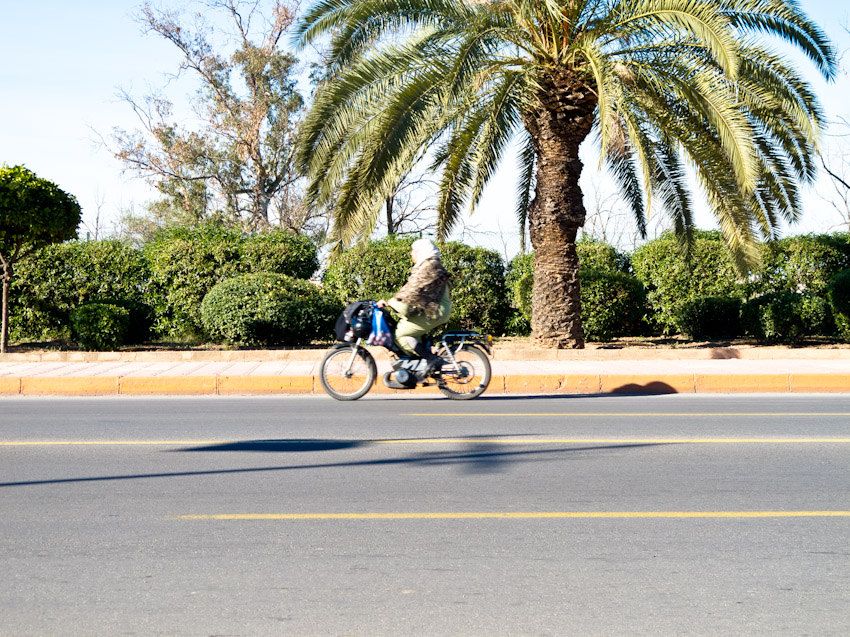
[{"x": 515, "y": 370}]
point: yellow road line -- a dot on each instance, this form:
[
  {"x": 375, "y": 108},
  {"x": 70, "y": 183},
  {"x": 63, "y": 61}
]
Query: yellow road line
[
  {"x": 627, "y": 415},
  {"x": 519, "y": 515},
  {"x": 430, "y": 441}
]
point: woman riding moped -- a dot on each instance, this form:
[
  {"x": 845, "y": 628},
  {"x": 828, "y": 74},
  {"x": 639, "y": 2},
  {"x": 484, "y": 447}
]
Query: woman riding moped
[{"x": 423, "y": 303}]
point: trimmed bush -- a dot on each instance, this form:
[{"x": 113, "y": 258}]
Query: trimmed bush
[
  {"x": 186, "y": 262},
  {"x": 781, "y": 317},
  {"x": 803, "y": 263},
  {"x": 379, "y": 268},
  {"x": 53, "y": 281},
  {"x": 672, "y": 281},
  {"x": 712, "y": 317},
  {"x": 100, "y": 326},
  {"x": 268, "y": 309},
  {"x": 612, "y": 304},
  {"x": 612, "y": 301},
  {"x": 479, "y": 294},
  {"x": 838, "y": 293}
]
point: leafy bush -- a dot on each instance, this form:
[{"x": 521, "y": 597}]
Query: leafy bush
[
  {"x": 712, "y": 317},
  {"x": 58, "y": 278},
  {"x": 671, "y": 281},
  {"x": 186, "y": 262},
  {"x": 612, "y": 301},
  {"x": 803, "y": 263},
  {"x": 479, "y": 295},
  {"x": 784, "y": 317},
  {"x": 280, "y": 252},
  {"x": 268, "y": 309},
  {"x": 612, "y": 304},
  {"x": 100, "y": 326},
  {"x": 379, "y": 268},
  {"x": 838, "y": 293}
]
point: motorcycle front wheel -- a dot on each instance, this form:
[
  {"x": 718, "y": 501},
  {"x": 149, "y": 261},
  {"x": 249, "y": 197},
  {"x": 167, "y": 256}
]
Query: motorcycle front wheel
[
  {"x": 469, "y": 377},
  {"x": 347, "y": 373}
]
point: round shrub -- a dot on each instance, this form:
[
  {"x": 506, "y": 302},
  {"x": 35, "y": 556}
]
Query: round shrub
[
  {"x": 612, "y": 301},
  {"x": 671, "y": 280},
  {"x": 479, "y": 294},
  {"x": 186, "y": 262},
  {"x": 378, "y": 269},
  {"x": 55, "y": 280},
  {"x": 280, "y": 252},
  {"x": 612, "y": 304},
  {"x": 100, "y": 326},
  {"x": 839, "y": 301},
  {"x": 268, "y": 309},
  {"x": 784, "y": 317},
  {"x": 712, "y": 317}
]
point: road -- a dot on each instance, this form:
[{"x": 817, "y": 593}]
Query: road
[{"x": 657, "y": 515}]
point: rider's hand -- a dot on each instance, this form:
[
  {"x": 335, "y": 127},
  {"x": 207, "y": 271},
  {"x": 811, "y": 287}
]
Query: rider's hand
[{"x": 381, "y": 304}]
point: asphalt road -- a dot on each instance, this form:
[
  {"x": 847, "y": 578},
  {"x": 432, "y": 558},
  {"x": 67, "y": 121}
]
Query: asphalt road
[{"x": 662, "y": 515}]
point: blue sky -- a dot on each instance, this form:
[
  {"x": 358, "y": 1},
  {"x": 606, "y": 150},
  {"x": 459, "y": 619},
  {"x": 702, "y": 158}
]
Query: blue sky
[{"x": 64, "y": 62}]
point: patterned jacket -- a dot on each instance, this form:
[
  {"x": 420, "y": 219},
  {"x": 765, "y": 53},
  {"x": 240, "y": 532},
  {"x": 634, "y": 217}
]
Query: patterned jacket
[{"x": 425, "y": 287}]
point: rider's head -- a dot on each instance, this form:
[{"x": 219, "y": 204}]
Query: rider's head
[{"x": 423, "y": 249}]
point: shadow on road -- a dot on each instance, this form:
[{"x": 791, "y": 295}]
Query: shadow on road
[{"x": 477, "y": 457}]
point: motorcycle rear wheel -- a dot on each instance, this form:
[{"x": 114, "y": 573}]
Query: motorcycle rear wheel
[{"x": 470, "y": 378}]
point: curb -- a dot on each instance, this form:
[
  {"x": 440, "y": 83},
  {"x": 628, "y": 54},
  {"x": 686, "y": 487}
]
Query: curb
[{"x": 499, "y": 384}]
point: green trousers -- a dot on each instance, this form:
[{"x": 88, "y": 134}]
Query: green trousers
[{"x": 412, "y": 325}]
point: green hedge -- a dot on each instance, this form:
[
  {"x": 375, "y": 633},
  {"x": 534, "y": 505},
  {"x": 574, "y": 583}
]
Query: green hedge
[
  {"x": 838, "y": 293},
  {"x": 186, "y": 262},
  {"x": 100, "y": 326},
  {"x": 612, "y": 301},
  {"x": 785, "y": 317},
  {"x": 377, "y": 269},
  {"x": 712, "y": 317},
  {"x": 671, "y": 281},
  {"x": 50, "y": 283},
  {"x": 803, "y": 263},
  {"x": 268, "y": 309}
]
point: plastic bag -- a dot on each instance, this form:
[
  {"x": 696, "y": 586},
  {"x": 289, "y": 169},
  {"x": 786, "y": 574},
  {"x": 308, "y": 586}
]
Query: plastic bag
[{"x": 380, "y": 334}]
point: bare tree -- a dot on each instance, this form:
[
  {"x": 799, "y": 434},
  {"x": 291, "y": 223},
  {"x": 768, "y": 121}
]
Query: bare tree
[{"x": 236, "y": 164}]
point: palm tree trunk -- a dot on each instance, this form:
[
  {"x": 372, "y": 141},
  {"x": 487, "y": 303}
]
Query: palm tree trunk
[
  {"x": 6, "y": 277},
  {"x": 558, "y": 126}
]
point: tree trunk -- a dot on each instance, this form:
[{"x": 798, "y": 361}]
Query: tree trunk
[
  {"x": 562, "y": 120},
  {"x": 389, "y": 210},
  {"x": 4, "y": 329}
]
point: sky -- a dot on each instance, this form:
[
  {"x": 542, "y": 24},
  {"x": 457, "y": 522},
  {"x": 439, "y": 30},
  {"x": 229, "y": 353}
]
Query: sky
[{"x": 64, "y": 64}]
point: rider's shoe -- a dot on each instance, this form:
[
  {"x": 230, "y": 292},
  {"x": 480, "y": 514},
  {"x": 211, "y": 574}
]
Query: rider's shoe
[{"x": 433, "y": 361}]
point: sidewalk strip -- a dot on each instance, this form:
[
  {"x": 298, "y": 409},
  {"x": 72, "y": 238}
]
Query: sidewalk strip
[{"x": 520, "y": 515}]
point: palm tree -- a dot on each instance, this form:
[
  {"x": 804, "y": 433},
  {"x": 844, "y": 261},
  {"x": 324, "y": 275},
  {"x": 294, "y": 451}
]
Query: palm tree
[{"x": 665, "y": 85}]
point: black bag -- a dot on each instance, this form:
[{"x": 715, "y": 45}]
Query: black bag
[{"x": 356, "y": 317}]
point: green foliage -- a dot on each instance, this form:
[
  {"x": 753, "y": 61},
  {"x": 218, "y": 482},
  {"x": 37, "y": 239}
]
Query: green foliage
[
  {"x": 186, "y": 262},
  {"x": 612, "y": 301},
  {"x": 281, "y": 252},
  {"x": 378, "y": 269},
  {"x": 672, "y": 280},
  {"x": 268, "y": 309},
  {"x": 803, "y": 263},
  {"x": 785, "y": 317},
  {"x": 100, "y": 326},
  {"x": 372, "y": 270},
  {"x": 711, "y": 317},
  {"x": 58, "y": 278},
  {"x": 612, "y": 304},
  {"x": 839, "y": 300},
  {"x": 479, "y": 294},
  {"x": 34, "y": 212}
]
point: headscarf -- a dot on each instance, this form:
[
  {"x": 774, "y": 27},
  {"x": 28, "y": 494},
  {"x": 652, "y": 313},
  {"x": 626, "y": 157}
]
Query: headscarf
[{"x": 424, "y": 249}]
